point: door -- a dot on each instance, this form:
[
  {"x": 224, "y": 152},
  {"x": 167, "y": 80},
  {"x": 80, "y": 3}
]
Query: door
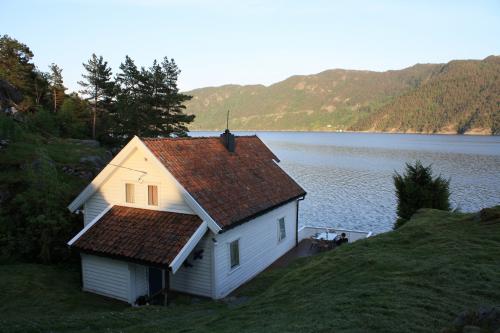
[{"x": 155, "y": 280}]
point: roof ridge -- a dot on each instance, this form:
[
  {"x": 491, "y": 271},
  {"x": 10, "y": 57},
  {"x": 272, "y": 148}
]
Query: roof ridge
[{"x": 192, "y": 138}]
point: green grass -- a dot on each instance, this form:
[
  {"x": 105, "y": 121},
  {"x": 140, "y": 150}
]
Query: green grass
[{"x": 415, "y": 279}]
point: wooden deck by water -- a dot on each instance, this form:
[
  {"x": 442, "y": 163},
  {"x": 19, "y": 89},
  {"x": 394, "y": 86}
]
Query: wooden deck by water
[{"x": 303, "y": 249}]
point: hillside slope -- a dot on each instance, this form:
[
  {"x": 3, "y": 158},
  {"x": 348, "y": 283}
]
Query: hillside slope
[
  {"x": 463, "y": 96},
  {"x": 415, "y": 279},
  {"x": 334, "y": 97},
  {"x": 456, "y": 97}
]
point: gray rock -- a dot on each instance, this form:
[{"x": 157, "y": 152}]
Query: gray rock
[
  {"x": 89, "y": 143},
  {"x": 471, "y": 329},
  {"x": 96, "y": 161}
]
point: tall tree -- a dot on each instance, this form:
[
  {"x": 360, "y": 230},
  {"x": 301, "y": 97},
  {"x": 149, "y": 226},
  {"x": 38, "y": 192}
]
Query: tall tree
[
  {"x": 149, "y": 102},
  {"x": 17, "y": 69},
  {"x": 97, "y": 87},
  {"x": 56, "y": 85},
  {"x": 417, "y": 188},
  {"x": 167, "y": 101}
]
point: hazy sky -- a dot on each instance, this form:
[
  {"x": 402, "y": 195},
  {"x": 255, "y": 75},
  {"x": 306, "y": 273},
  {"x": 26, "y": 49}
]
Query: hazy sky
[{"x": 220, "y": 42}]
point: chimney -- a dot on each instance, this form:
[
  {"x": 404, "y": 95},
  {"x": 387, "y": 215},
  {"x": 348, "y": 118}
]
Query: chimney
[{"x": 228, "y": 140}]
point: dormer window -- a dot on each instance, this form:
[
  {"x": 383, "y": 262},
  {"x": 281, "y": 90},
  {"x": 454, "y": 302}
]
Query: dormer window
[
  {"x": 152, "y": 195},
  {"x": 129, "y": 193}
]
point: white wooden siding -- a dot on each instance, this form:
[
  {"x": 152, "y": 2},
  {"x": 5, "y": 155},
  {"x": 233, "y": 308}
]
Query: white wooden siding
[
  {"x": 112, "y": 191},
  {"x": 93, "y": 207},
  {"x": 196, "y": 280},
  {"x": 259, "y": 247},
  {"x": 106, "y": 277}
]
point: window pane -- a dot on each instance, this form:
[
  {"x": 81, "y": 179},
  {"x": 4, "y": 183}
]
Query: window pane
[
  {"x": 129, "y": 193},
  {"x": 282, "y": 230},
  {"x": 235, "y": 253},
  {"x": 153, "y": 195}
]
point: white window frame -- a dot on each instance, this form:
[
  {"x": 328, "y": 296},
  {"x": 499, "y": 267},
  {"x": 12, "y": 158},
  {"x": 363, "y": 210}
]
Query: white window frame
[
  {"x": 235, "y": 267},
  {"x": 279, "y": 229},
  {"x": 134, "y": 201},
  {"x": 157, "y": 193}
]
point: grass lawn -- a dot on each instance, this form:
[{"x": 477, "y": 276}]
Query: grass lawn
[{"x": 416, "y": 279}]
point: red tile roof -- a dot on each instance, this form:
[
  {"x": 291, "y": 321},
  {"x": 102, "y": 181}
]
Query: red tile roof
[
  {"x": 149, "y": 236},
  {"x": 232, "y": 187}
]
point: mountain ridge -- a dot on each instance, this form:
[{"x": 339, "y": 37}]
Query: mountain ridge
[{"x": 359, "y": 100}]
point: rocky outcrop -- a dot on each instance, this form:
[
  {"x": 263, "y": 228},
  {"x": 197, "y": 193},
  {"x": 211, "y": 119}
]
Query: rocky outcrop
[{"x": 9, "y": 95}]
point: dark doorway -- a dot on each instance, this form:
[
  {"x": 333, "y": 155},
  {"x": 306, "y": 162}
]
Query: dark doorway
[{"x": 155, "y": 281}]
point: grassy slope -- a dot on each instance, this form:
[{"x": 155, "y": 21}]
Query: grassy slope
[{"x": 415, "y": 279}]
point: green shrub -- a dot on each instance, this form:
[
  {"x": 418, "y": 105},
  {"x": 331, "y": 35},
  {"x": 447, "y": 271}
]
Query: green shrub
[
  {"x": 35, "y": 225},
  {"x": 43, "y": 122},
  {"x": 416, "y": 189}
]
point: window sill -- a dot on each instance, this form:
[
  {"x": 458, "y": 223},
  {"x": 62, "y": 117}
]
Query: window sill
[{"x": 234, "y": 269}]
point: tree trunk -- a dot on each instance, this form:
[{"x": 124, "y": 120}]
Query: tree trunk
[
  {"x": 55, "y": 100},
  {"x": 95, "y": 113},
  {"x": 94, "y": 118}
]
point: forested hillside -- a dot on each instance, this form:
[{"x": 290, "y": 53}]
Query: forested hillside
[
  {"x": 458, "y": 97},
  {"x": 462, "y": 97}
]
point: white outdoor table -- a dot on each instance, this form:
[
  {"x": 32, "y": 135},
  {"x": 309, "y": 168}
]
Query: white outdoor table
[{"x": 328, "y": 236}]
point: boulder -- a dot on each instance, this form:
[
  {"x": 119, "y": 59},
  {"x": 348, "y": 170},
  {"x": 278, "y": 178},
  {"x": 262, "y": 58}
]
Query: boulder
[
  {"x": 88, "y": 143},
  {"x": 96, "y": 161}
]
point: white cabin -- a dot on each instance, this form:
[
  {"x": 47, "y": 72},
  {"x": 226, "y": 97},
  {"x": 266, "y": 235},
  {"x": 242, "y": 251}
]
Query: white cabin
[{"x": 195, "y": 215}]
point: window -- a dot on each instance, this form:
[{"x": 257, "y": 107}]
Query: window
[
  {"x": 129, "y": 193},
  {"x": 281, "y": 229},
  {"x": 234, "y": 249},
  {"x": 152, "y": 195}
]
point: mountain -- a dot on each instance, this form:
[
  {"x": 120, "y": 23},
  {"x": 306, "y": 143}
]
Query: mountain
[{"x": 460, "y": 97}]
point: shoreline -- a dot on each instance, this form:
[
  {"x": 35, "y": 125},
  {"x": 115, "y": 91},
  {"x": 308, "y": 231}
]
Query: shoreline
[{"x": 480, "y": 133}]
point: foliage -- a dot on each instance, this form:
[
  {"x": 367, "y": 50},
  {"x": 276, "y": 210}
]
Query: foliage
[
  {"x": 416, "y": 189},
  {"x": 461, "y": 97},
  {"x": 44, "y": 122},
  {"x": 40, "y": 171},
  {"x": 74, "y": 118},
  {"x": 15, "y": 63},
  {"x": 98, "y": 87},
  {"x": 458, "y": 97},
  {"x": 416, "y": 279},
  {"x": 149, "y": 102},
  {"x": 56, "y": 85},
  {"x": 35, "y": 226}
]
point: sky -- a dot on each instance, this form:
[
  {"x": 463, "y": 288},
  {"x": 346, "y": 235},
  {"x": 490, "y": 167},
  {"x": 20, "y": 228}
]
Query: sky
[{"x": 251, "y": 42}]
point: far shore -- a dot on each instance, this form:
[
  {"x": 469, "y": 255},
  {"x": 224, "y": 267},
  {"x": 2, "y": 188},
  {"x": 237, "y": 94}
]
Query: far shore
[{"x": 470, "y": 133}]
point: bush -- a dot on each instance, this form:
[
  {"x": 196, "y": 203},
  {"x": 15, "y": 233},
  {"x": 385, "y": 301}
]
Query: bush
[
  {"x": 43, "y": 122},
  {"x": 418, "y": 189},
  {"x": 35, "y": 225},
  {"x": 73, "y": 118}
]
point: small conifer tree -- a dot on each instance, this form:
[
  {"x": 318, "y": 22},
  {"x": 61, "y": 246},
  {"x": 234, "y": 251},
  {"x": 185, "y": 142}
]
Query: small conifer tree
[{"x": 417, "y": 188}]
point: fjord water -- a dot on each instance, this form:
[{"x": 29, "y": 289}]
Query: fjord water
[{"x": 348, "y": 176}]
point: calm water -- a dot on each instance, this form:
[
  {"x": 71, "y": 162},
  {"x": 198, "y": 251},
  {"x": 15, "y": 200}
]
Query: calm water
[{"x": 348, "y": 176}]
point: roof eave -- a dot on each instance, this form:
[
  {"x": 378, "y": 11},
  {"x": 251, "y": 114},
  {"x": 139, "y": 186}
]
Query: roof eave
[{"x": 262, "y": 212}]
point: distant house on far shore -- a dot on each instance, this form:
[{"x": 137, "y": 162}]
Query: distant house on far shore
[{"x": 194, "y": 215}]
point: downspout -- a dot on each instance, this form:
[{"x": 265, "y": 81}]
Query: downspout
[{"x": 297, "y": 221}]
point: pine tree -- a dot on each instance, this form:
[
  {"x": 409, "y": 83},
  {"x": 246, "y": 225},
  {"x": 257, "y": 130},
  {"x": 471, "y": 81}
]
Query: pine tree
[
  {"x": 56, "y": 85},
  {"x": 17, "y": 68},
  {"x": 172, "y": 119},
  {"x": 98, "y": 87},
  {"x": 416, "y": 189},
  {"x": 149, "y": 102}
]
